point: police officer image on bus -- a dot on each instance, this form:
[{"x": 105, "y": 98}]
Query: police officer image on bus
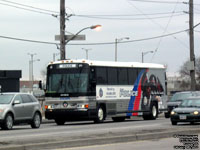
[{"x": 96, "y": 90}]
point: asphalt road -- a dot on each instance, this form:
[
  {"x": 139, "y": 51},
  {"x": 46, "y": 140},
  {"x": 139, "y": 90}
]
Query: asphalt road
[
  {"x": 74, "y": 134},
  {"x": 159, "y": 144}
]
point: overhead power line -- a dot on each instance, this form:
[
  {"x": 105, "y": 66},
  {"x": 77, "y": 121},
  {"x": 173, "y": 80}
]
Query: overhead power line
[
  {"x": 26, "y": 9},
  {"x": 27, "y": 40},
  {"x": 105, "y": 43},
  {"x": 29, "y": 6},
  {"x": 164, "y": 2},
  {"x": 125, "y": 18},
  {"x": 127, "y": 15},
  {"x": 165, "y": 30}
]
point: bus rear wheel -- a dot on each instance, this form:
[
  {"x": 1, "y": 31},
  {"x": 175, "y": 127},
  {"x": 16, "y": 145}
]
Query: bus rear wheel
[{"x": 153, "y": 114}]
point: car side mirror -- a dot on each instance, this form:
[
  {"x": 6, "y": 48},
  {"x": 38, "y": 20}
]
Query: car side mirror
[{"x": 16, "y": 102}]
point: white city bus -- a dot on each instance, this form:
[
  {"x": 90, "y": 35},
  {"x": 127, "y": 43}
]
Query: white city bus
[{"x": 95, "y": 90}]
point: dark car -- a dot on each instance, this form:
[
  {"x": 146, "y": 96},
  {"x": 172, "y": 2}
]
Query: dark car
[
  {"x": 188, "y": 111},
  {"x": 177, "y": 98},
  {"x": 16, "y": 108}
]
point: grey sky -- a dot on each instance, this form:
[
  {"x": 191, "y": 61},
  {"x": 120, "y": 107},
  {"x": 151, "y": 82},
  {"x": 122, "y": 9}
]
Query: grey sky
[{"x": 172, "y": 51}]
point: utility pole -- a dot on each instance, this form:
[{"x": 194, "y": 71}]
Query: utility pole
[
  {"x": 86, "y": 50},
  {"x": 62, "y": 29},
  {"x": 192, "y": 56},
  {"x": 116, "y": 40}
]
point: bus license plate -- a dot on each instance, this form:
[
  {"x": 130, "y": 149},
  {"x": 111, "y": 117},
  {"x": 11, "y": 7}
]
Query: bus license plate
[{"x": 182, "y": 117}]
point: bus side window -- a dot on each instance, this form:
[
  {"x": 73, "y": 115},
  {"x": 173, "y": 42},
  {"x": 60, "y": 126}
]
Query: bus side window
[
  {"x": 122, "y": 76},
  {"x": 112, "y": 76},
  {"x": 132, "y": 75},
  {"x": 101, "y": 75}
]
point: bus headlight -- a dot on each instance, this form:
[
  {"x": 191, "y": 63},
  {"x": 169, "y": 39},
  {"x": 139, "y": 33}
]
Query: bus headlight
[
  {"x": 195, "y": 112},
  {"x": 83, "y": 106},
  {"x": 48, "y": 107}
]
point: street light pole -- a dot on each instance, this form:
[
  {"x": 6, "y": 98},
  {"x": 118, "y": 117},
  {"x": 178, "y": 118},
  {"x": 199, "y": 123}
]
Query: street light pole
[
  {"x": 74, "y": 36},
  {"x": 144, "y": 53},
  {"x": 115, "y": 49},
  {"x": 54, "y": 56},
  {"x": 64, "y": 39},
  {"x": 31, "y": 78},
  {"x": 86, "y": 50},
  {"x": 117, "y": 41}
]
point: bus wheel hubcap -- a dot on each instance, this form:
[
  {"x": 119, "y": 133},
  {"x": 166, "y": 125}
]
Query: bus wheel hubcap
[
  {"x": 100, "y": 114},
  {"x": 154, "y": 111}
]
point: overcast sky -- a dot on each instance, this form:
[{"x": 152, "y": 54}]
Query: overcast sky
[{"x": 137, "y": 20}]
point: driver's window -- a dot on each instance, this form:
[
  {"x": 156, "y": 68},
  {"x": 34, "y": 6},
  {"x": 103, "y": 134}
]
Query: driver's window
[{"x": 18, "y": 97}]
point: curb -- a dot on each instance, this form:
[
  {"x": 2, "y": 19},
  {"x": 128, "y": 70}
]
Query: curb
[{"x": 119, "y": 138}]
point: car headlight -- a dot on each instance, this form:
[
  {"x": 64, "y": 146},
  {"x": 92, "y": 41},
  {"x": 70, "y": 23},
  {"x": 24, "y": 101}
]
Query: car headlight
[
  {"x": 173, "y": 112},
  {"x": 1, "y": 110},
  {"x": 195, "y": 112}
]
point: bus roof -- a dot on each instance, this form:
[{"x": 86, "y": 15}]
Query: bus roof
[{"x": 111, "y": 63}]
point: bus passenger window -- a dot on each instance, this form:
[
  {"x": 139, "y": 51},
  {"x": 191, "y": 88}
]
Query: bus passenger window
[
  {"x": 101, "y": 75},
  {"x": 132, "y": 75},
  {"x": 122, "y": 76},
  {"x": 112, "y": 76}
]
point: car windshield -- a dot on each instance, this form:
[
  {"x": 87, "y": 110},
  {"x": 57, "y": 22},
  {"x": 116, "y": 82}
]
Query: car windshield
[
  {"x": 190, "y": 103},
  {"x": 181, "y": 96},
  {"x": 6, "y": 98}
]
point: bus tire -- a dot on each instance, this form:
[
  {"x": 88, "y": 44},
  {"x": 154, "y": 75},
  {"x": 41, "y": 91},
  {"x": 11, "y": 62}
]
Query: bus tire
[
  {"x": 100, "y": 115},
  {"x": 118, "y": 119},
  {"x": 60, "y": 121},
  {"x": 153, "y": 114}
]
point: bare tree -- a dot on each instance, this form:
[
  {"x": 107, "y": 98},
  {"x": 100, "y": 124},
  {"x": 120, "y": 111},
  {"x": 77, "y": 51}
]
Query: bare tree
[{"x": 185, "y": 73}]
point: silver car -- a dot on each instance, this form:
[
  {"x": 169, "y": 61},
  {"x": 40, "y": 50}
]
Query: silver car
[{"x": 17, "y": 108}]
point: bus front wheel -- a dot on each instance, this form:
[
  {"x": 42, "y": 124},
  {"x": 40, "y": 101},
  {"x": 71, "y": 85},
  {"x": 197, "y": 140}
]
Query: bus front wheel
[{"x": 100, "y": 115}]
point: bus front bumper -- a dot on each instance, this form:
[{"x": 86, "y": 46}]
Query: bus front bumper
[{"x": 70, "y": 114}]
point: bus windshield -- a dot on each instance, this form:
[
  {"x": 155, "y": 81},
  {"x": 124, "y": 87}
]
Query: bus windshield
[{"x": 67, "y": 81}]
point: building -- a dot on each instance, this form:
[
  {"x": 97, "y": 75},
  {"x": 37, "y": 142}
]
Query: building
[{"x": 10, "y": 80}]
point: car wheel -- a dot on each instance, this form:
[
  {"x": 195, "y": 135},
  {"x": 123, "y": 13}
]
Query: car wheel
[
  {"x": 8, "y": 122},
  {"x": 36, "y": 121},
  {"x": 174, "y": 122},
  {"x": 100, "y": 115},
  {"x": 60, "y": 121},
  {"x": 167, "y": 115},
  {"x": 192, "y": 122}
]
